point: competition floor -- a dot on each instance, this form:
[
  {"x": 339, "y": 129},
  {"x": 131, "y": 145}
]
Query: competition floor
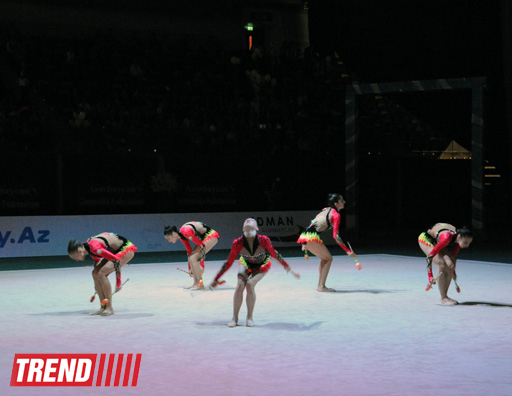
[{"x": 380, "y": 334}]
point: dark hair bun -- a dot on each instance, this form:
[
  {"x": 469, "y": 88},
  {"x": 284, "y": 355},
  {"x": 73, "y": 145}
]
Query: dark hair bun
[
  {"x": 333, "y": 198},
  {"x": 168, "y": 230},
  {"x": 73, "y": 246},
  {"x": 464, "y": 231}
]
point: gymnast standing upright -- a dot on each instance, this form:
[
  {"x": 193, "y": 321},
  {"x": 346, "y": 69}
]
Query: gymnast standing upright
[{"x": 255, "y": 251}]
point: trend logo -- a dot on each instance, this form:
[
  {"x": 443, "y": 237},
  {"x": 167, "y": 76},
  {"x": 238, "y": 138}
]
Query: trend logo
[{"x": 75, "y": 369}]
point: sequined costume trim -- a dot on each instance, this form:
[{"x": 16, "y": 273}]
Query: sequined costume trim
[
  {"x": 249, "y": 267},
  {"x": 210, "y": 234},
  {"x": 427, "y": 239},
  {"x": 306, "y": 237}
]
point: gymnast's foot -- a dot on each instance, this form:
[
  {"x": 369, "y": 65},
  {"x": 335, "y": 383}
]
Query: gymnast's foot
[
  {"x": 233, "y": 323},
  {"x": 325, "y": 289},
  {"x": 449, "y": 301},
  {"x": 98, "y": 312},
  {"x": 250, "y": 323},
  {"x": 107, "y": 312}
]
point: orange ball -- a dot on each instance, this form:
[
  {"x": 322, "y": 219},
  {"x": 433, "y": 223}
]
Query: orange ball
[{"x": 104, "y": 302}]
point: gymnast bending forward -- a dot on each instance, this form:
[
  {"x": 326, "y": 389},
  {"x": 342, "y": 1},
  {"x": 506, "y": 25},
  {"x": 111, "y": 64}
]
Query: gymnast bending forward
[{"x": 110, "y": 253}]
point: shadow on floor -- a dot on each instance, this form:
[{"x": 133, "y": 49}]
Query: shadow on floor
[
  {"x": 371, "y": 291},
  {"x": 63, "y": 313},
  {"x": 216, "y": 323},
  {"x": 271, "y": 326},
  {"x": 88, "y": 313},
  {"x": 489, "y": 304},
  {"x": 291, "y": 326},
  {"x": 129, "y": 316}
]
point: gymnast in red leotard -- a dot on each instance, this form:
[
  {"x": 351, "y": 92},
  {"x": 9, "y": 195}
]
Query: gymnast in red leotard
[
  {"x": 203, "y": 236},
  {"x": 441, "y": 244},
  {"x": 110, "y": 252},
  {"x": 255, "y": 251},
  {"x": 310, "y": 239}
]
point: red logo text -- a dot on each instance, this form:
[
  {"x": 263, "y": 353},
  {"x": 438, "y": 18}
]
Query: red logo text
[{"x": 75, "y": 369}]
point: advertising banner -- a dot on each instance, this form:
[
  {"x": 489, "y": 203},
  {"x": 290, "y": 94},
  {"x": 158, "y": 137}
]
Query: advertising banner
[{"x": 36, "y": 236}]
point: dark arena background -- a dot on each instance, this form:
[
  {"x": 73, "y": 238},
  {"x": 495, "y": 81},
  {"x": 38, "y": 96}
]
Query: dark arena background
[
  {"x": 123, "y": 107},
  {"x": 146, "y": 113}
]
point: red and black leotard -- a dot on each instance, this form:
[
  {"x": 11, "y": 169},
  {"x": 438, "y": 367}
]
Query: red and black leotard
[
  {"x": 188, "y": 232},
  {"x": 332, "y": 219},
  {"x": 445, "y": 238},
  {"x": 99, "y": 249},
  {"x": 252, "y": 262}
]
